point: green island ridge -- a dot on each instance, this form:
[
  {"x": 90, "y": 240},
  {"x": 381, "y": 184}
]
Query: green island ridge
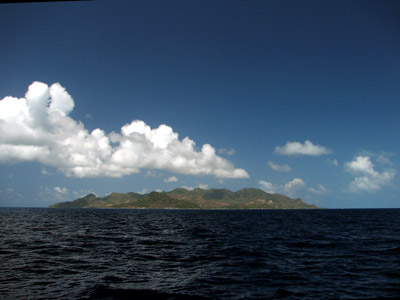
[{"x": 180, "y": 198}]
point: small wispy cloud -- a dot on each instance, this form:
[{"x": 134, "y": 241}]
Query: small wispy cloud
[
  {"x": 191, "y": 188},
  {"x": 269, "y": 187},
  {"x": 296, "y": 148},
  {"x": 289, "y": 188},
  {"x": 151, "y": 173},
  {"x": 227, "y": 151},
  {"x": 292, "y": 188},
  {"x": 384, "y": 158},
  {"x": 142, "y": 191},
  {"x": 60, "y": 190},
  {"x": 279, "y": 168},
  {"x": 320, "y": 190},
  {"x": 171, "y": 179}
]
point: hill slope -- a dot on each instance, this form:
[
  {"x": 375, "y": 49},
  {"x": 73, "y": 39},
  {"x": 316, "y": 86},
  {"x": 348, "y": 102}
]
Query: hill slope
[{"x": 180, "y": 198}]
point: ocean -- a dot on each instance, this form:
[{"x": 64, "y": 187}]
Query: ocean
[{"x": 199, "y": 254}]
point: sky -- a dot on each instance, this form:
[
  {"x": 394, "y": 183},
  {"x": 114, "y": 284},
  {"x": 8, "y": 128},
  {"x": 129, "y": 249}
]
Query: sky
[{"x": 293, "y": 97}]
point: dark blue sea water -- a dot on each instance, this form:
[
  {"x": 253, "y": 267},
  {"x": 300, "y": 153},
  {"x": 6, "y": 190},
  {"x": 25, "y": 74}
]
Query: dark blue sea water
[{"x": 181, "y": 254}]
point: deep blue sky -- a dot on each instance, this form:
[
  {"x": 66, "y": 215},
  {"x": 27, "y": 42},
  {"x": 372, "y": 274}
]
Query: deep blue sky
[{"x": 244, "y": 75}]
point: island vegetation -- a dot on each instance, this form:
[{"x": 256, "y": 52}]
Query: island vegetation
[{"x": 180, "y": 198}]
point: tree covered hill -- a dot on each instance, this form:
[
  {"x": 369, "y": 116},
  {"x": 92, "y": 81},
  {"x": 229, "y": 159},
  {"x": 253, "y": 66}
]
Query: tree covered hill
[{"x": 180, "y": 198}]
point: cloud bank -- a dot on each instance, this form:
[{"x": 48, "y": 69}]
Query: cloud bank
[
  {"x": 38, "y": 128},
  {"x": 296, "y": 148},
  {"x": 367, "y": 180}
]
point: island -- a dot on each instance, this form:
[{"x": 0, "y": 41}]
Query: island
[{"x": 180, "y": 198}]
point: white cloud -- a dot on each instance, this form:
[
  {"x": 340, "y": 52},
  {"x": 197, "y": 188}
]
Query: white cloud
[
  {"x": 227, "y": 151},
  {"x": 143, "y": 191},
  {"x": 38, "y": 128},
  {"x": 10, "y": 194},
  {"x": 191, "y": 188},
  {"x": 62, "y": 190},
  {"x": 295, "y": 184},
  {"x": 368, "y": 179},
  {"x": 171, "y": 179},
  {"x": 383, "y": 158},
  {"x": 320, "y": 190},
  {"x": 279, "y": 168},
  {"x": 55, "y": 194},
  {"x": 269, "y": 187},
  {"x": 361, "y": 164},
  {"x": 290, "y": 188},
  {"x": 151, "y": 173},
  {"x": 332, "y": 162},
  {"x": 296, "y": 148}
]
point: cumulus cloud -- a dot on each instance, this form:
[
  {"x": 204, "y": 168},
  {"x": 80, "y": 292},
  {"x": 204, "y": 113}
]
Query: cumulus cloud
[
  {"x": 296, "y": 148},
  {"x": 290, "y": 188},
  {"x": 295, "y": 184},
  {"x": 279, "y": 168},
  {"x": 367, "y": 178},
  {"x": 171, "y": 179},
  {"x": 38, "y": 128}
]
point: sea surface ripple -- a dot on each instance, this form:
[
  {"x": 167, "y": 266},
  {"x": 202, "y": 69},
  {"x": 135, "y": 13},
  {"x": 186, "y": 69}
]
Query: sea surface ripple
[{"x": 194, "y": 254}]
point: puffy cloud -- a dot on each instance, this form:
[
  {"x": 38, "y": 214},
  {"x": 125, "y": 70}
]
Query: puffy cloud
[
  {"x": 38, "y": 128},
  {"x": 171, "y": 179},
  {"x": 361, "y": 164},
  {"x": 296, "y": 148},
  {"x": 368, "y": 179},
  {"x": 279, "y": 168},
  {"x": 295, "y": 184}
]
